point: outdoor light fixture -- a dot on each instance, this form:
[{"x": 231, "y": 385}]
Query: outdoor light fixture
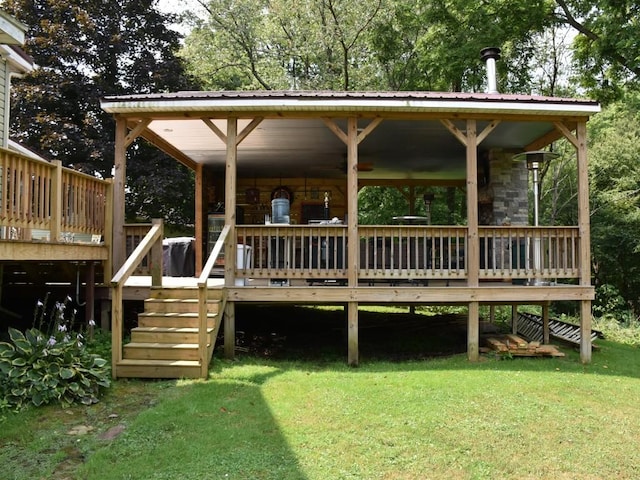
[{"x": 535, "y": 160}]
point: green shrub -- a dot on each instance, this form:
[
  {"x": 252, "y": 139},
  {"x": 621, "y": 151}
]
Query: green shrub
[
  {"x": 52, "y": 366},
  {"x": 609, "y": 301}
]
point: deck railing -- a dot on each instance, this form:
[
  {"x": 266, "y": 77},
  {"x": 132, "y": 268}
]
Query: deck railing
[
  {"x": 150, "y": 245},
  {"x": 45, "y": 201},
  {"x": 529, "y": 252},
  {"x": 293, "y": 251},
  {"x": 405, "y": 252}
]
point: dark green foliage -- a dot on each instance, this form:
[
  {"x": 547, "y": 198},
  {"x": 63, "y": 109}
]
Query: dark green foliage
[
  {"x": 50, "y": 365},
  {"x": 606, "y": 49},
  {"x": 378, "y": 205},
  {"x": 85, "y": 50}
]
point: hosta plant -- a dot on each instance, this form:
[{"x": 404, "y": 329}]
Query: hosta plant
[{"x": 50, "y": 365}]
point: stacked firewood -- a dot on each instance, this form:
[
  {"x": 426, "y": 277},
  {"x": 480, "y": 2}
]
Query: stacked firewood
[{"x": 510, "y": 344}]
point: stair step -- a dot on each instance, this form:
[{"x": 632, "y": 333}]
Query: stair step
[
  {"x": 190, "y": 320},
  {"x": 166, "y": 334},
  {"x": 160, "y": 351},
  {"x": 183, "y": 292},
  {"x": 158, "y": 368},
  {"x": 177, "y": 305}
]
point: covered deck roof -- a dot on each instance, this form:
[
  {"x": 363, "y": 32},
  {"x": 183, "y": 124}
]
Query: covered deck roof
[{"x": 416, "y": 140}]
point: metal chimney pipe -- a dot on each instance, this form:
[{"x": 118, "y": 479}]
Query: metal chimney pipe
[{"x": 490, "y": 55}]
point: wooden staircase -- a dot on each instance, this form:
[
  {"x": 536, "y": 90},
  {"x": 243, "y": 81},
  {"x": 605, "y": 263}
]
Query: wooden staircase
[{"x": 165, "y": 342}]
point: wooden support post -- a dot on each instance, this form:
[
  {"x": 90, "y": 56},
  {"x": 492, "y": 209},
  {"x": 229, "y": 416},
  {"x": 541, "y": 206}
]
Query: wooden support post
[
  {"x": 546, "y": 333},
  {"x": 514, "y": 318},
  {"x": 116, "y": 329},
  {"x": 56, "y": 203},
  {"x": 200, "y": 214},
  {"x": 90, "y": 288},
  {"x": 156, "y": 257},
  {"x": 473, "y": 332},
  {"x": 119, "y": 181},
  {"x": 230, "y": 204},
  {"x": 353, "y": 242},
  {"x": 492, "y": 314},
  {"x": 105, "y": 323},
  {"x": 352, "y": 328},
  {"x": 473, "y": 244},
  {"x": 585, "y": 331},
  {"x": 585, "y": 242},
  {"x": 108, "y": 233},
  {"x": 230, "y": 330}
]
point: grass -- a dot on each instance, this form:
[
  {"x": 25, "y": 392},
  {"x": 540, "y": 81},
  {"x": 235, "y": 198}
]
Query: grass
[{"x": 278, "y": 418}]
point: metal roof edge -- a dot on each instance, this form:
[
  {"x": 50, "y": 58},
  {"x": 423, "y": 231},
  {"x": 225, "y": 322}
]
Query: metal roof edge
[{"x": 546, "y": 105}]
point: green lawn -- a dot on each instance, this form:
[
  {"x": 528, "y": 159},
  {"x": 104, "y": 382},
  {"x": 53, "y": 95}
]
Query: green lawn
[{"x": 442, "y": 418}]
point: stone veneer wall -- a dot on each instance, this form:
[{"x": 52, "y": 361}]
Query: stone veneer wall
[{"x": 509, "y": 182}]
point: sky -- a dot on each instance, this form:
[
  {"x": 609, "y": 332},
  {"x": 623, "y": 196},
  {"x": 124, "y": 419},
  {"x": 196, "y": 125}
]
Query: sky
[{"x": 180, "y": 6}]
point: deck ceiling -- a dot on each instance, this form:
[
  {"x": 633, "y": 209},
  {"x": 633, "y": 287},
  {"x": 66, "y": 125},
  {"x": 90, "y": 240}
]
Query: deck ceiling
[
  {"x": 293, "y": 141},
  {"x": 396, "y": 149}
]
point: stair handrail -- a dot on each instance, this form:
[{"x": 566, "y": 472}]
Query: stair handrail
[
  {"x": 203, "y": 294},
  {"x": 151, "y": 242}
]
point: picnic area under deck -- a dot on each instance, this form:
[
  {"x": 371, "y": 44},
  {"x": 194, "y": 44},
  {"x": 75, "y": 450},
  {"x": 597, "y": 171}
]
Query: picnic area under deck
[{"x": 343, "y": 141}]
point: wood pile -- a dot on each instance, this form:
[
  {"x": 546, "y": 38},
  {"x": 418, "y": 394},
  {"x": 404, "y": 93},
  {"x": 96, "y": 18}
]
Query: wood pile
[{"x": 510, "y": 344}]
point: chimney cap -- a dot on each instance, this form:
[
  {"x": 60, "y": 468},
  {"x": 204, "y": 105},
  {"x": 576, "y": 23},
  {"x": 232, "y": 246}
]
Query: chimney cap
[{"x": 490, "y": 52}]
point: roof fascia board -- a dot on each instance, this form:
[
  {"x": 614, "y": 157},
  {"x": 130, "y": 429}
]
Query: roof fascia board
[
  {"x": 352, "y": 106},
  {"x": 17, "y": 62},
  {"x": 13, "y": 29}
]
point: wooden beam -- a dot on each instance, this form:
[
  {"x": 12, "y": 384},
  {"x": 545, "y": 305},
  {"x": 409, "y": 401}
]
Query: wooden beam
[
  {"x": 136, "y": 131},
  {"x": 567, "y": 133},
  {"x": 387, "y": 115},
  {"x": 487, "y": 130},
  {"x": 167, "y": 148},
  {"x": 247, "y": 130},
  {"x": 454, "y": 130},
  {"x": 369, "y": 128},
  {"x": 18, "y": 250},
  {"x": 331, "y": 125},
  {"x": 429, "y": 295},
  {"x": 366, "y": 182},
  {"x": 214, "y": 128},
  {"x": 544, "y": 140}
]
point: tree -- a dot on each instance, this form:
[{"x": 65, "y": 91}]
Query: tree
[
  {"x": 282, "y": 44},
  {"x": 365, "y": 45},
  {"x": 606, "y": 49},
  {"x": 84, "y": 52},
  {"x": 615, "y": 197}
]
